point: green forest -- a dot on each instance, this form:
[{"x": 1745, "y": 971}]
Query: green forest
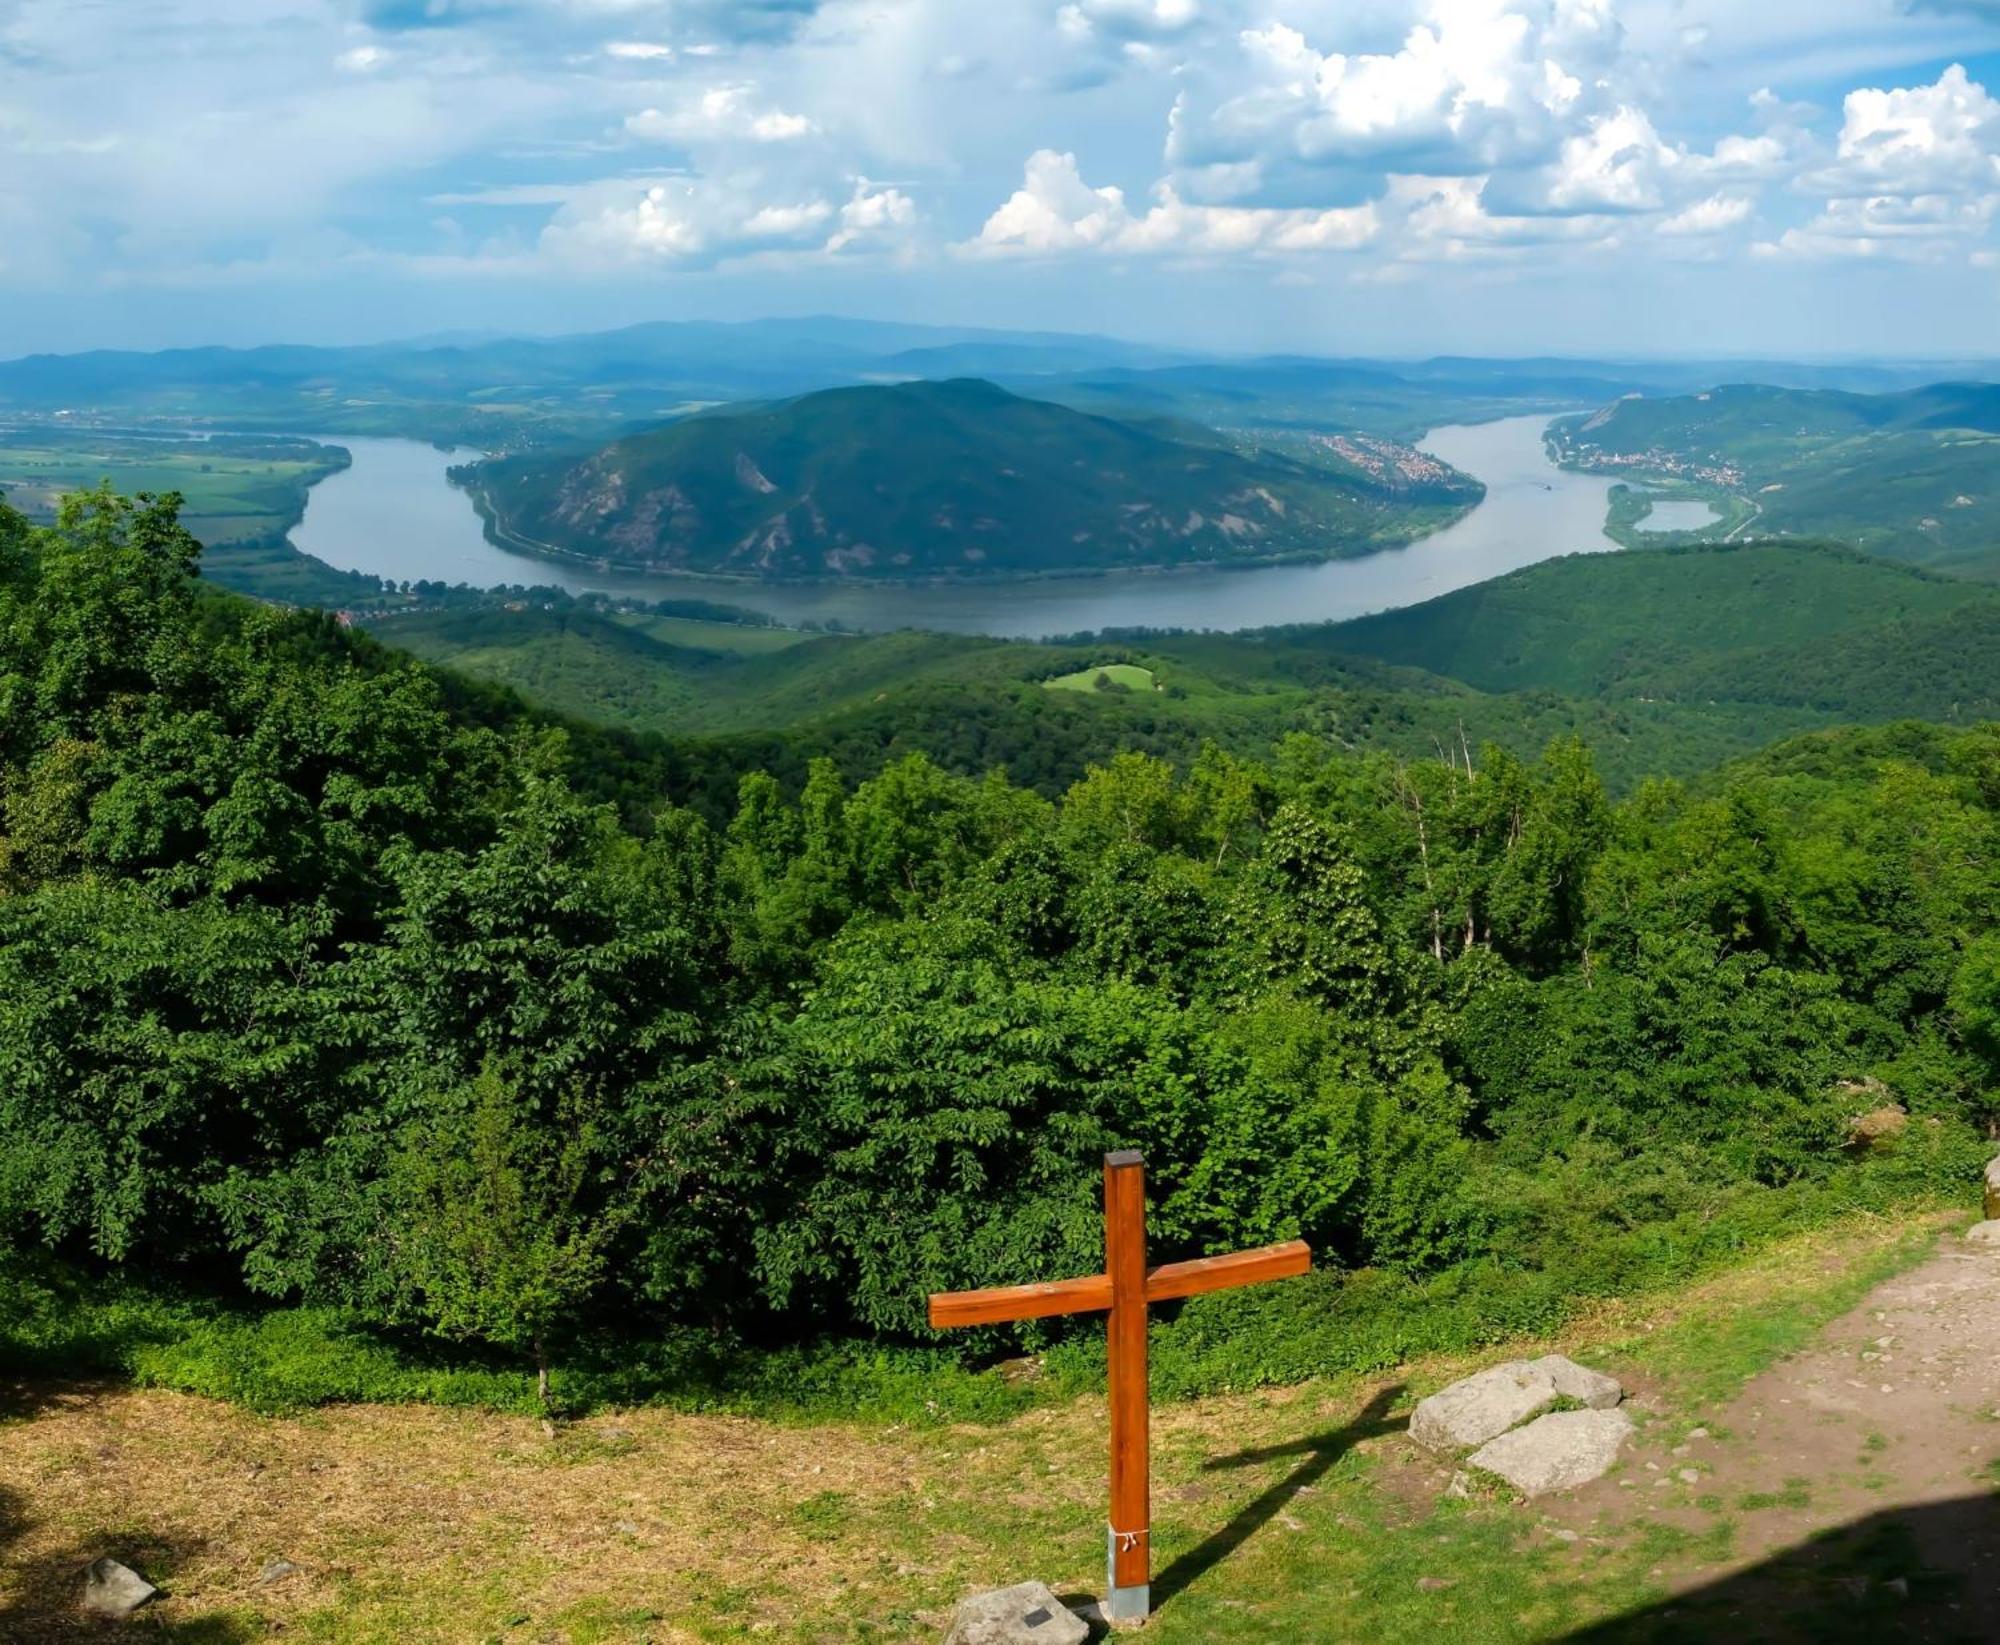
[{"x": 364, "y": 1030}]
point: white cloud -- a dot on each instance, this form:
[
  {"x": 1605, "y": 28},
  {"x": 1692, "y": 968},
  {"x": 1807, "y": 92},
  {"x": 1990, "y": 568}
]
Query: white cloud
[
  {"x": 720, "y": 114},
  {"x": 361, "y": 59},
  {"x": 1615, "y": 164},
  {"x": 1055, "y": 210},
  {"x": 1917, "y": 139},
  {"x": 1475, "y": 83},
  {"x": 699, "y": 221},
  {"x": 872, "y": 215},
  {"x": 1449, "y": 218},
  {"x": 1714, "y": 215},
  {"x": 640, "y": 51},
  {"x": 1915, "y": 175}
]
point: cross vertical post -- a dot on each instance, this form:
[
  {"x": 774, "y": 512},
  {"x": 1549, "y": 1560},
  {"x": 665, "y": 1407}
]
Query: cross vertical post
[
  {"x": 1129, "y": 1554},
  {"x": 1126, "y": 1288}
]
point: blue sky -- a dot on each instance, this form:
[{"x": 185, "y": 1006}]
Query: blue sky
[{"x": 1360, "y": 176}]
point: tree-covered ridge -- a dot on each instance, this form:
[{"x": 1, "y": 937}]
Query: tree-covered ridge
[
  {"x": 1664, "y": 663},
  {"x": 1747, "y": 622},
  {"x": 1908, "y": 475},
  {"x": 284, "y": 927},
  {"x": 956, "y": 478}
]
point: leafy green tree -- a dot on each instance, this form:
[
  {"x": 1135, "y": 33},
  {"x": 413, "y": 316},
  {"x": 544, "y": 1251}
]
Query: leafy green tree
[{"x": 497, "y": 1219}]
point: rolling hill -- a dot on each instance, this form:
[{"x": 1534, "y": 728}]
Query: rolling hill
[
  {"x": 954, "y": 478},
  {"x": 1665, "y": 662},
  {"x": 1909, "y": 475}
]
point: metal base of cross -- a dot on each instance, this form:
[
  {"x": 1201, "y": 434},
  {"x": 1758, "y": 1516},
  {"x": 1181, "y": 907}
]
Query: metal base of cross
[
  {"x": 1129, "y": 1604},
  {"x": 1132, "y": 1603}
]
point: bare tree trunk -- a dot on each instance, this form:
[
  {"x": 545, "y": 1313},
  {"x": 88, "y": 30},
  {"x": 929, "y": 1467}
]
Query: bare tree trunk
[
  {"x": 542, "y": 1377},
  {"x": 1415, "y": 801}
]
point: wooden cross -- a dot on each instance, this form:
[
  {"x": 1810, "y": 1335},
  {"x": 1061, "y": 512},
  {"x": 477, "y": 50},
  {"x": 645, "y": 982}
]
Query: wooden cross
[{"x": 1125, "y": 1287}]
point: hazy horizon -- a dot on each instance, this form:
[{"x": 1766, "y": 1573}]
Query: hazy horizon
[{"x": 1376, "y": 178}]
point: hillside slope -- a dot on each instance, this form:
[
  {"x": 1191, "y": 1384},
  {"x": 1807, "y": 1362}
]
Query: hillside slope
[
  {"x": 951, "y": 478},
  {"x": 1756, "y": 622},
  {"x": 1908, "y": 475},
  {"x": 1663, "y": 662}
]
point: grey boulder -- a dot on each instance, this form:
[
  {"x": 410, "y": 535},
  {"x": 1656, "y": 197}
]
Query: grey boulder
[
  {"x": 1984, "y": 1233},
  {"x": 1557, "y": 1452},
  {"x": 1591, "y": 1389},
  {"x": 1993, "y": 1191},
  {"x": 1475, "y": 1408},
  {"x": 112, "y": 1589},
  {"x": 1486, "y": 1404},
  {"x": 1025, "y": 1614}
]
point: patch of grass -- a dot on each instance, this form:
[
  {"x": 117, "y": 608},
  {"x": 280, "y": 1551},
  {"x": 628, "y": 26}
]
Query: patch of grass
[
  {"x": 1104, "y": 677},
  {"x": 1797, "y": 1493},
  {"x": 1705, "y": 1357},
  {"x": 1288, "y": 1517}
]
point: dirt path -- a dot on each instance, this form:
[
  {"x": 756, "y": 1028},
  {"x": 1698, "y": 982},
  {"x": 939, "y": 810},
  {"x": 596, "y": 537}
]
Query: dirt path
[{"x": 1858, "y": 1480}]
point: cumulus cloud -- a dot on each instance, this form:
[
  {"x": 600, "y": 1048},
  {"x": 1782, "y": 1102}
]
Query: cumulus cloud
[
  {"x": 872, "y": 216},
  {"x": 1915, "y": 172},
  {"x": 1917, "y": 139},
  {"x": 1713, "y": 215},
  {"x": 1474, "y": 84},
  {"x": 1055, "y": 210},
  {"x": 698, "y": 221},
  {"x": 720, "y": 114}
]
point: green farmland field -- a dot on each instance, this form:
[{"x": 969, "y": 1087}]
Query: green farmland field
[{"x": 238, "y": 487}]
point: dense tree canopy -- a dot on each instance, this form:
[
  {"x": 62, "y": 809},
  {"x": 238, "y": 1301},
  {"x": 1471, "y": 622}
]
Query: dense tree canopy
[{"x": 304, "y": 953}]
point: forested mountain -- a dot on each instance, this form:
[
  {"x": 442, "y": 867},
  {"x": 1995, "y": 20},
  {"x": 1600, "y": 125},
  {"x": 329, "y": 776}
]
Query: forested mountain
[
  {"x": 1664, "y": 662},
  {"x": 322, "y": 979},
  {"x": 953, "y": 478},
  {"x": 1803, "y": 624},
  {"x": 1908, "y": 475}
]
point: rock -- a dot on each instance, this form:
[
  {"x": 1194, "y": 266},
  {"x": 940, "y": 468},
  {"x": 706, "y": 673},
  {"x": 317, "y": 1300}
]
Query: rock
[
  {"x": 1025, "y": 1614},
  {"x": 276, "y": 1570},
  {"x": 1556, "y": 1452},
  {"x": 1476, "y": 1408},
  {"x": 1877, "y": 1125},
  {"x": 1591, "y": 1389},
  {"x": 1984, "y": 1233},
  {"x": 1993, "y": 1192},
  {"x": 112, "y": 1589}
]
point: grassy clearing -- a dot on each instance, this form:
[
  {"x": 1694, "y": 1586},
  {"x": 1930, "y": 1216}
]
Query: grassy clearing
[
  {"x": 1293, "y": 1515},
  {"x": 1122, "y": 676}
]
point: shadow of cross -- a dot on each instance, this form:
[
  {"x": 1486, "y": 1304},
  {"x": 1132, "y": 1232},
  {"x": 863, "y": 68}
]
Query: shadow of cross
[
  {"x": 1316, "y": 1454},
  {"x": 1126, "y": 1288}
]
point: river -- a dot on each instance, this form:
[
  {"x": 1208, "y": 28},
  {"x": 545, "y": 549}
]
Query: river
[{"x": 393, "y": 513}]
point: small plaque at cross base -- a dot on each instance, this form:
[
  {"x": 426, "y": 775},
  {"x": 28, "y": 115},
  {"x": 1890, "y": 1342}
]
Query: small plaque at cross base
[{"x": 1125, "y": 1289}]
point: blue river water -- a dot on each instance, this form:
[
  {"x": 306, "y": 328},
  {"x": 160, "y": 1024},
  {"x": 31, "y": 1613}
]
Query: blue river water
[{"x": 394, "y": 513}]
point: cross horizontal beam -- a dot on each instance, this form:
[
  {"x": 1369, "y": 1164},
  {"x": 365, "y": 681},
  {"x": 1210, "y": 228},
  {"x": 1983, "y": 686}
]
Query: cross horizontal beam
[{"x": 1092, "y": 1294}]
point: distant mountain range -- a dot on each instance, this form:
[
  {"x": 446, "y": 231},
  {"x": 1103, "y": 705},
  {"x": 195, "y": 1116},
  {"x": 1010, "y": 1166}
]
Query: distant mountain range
[
  {"x": 511, "y": 392},
  {"x": 957, "y": 478}
]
